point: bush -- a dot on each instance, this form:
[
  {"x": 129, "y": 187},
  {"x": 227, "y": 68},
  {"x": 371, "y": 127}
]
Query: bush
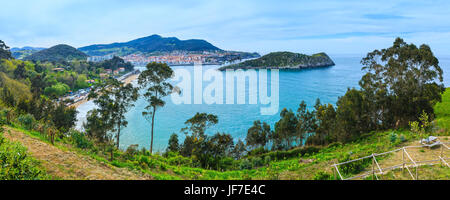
[
  {"x": 257, "y": 151},
  {"x": 353, "y": 167},
  {"x": 27, "y": 121},
  {"x": 267, "y": 160},
  {"x": 279, "y": 155},
  {"x": 80, "y": 140},
  {"x": 257, "y": 161},
  {"x": 245, "y": 164},
  {"x": 16, "y": 164},
  {"x": 321, "y": 175},
  {"x": 393, "y": 137},
  {"x": 131, "y": 151}
]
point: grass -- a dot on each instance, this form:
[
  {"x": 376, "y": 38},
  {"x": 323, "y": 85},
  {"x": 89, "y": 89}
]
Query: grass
[
  {"x": 318, "y": 165},
  {"x": 17, "y": 164},
  {"x": 442, "y": 111}
]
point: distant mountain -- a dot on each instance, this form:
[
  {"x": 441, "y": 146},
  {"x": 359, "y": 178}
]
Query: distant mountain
[
  {"x": 284, "y": 60},
  {"x": 153, "y": 43},
  {"x": 20, "y": 53},
  {"x": 59, "y": 52}
]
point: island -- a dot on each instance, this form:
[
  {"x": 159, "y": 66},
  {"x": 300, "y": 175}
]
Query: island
[{"x": 284, "y": 60}]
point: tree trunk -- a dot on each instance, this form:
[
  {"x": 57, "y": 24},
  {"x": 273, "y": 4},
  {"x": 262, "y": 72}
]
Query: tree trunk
[
  {"x": 112, "y": 154},
  {"x": 118, "y": 134},
  {"x": 153, "y": 122}
]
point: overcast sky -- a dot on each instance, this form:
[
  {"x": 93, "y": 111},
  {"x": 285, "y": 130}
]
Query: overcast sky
[{"x": 335, "y": 27}]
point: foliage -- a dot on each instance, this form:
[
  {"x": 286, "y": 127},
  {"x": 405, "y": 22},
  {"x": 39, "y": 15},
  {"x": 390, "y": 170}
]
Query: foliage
[
  {"x": 80, "y": 140},
  {"x": 258, "y": 135},
  {"x": 422, "y": 126},
  {"x": 56, "y": 90},
  {"x": 16, "y": 164},
  {"x": 4, "y": 51},
  {"x": 284, "y": 59},
  {"x": 57, "y": 53},
  {"x": 153, "y": 43},
  {"x": 27, "y": 121},
  {"x": 155, "y": 80}
]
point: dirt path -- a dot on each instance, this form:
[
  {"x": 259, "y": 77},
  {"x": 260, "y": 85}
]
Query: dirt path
[{"x": 70, "y": 165}]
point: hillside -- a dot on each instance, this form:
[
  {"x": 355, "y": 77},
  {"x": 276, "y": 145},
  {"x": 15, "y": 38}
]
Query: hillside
[
  {"x": 153, "y": 43},
  {"x": 59, "y": 52},
  {"x": 285, "y": 60},
  {"x": 21, "y": 53},
  {"x": 67, "y": 161}
]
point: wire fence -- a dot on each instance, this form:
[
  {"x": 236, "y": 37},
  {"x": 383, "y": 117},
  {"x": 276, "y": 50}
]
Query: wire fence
[{"x": 407, "y": 162}]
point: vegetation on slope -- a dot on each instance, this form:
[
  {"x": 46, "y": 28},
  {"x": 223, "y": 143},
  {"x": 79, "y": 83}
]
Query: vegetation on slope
[
  {"x": 301, "y": 145},
  {"x": 57, "y": 53},
  {"x": 16, "y": 163},
  {"x": 284, "y": 60},
  {"x": 153, "y": 43},
  {"x": 21, "y": 53}
]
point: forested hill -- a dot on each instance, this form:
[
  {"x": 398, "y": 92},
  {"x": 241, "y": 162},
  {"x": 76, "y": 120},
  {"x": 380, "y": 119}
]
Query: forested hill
[
  {"x": 59, "y": 52},
  {"x": 153, "y": 43},
  {"x": 285, "y": 60}
]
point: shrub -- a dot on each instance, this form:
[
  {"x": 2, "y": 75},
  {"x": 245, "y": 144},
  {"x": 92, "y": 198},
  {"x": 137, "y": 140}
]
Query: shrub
[
  {"x": 131, "y": 151},
  {"x": 16, "y": 164},
  {"x": 353, "y": 167},
  {"x": 27, "y": 121},
  {"x": 257, "y": 161},
  {"x": 267, "y": 160},
  {"x": 245, "y": 164},
  {"x": 257, "y": 151},
  {"x": 393, "y": 137},
  {"x": 80, "y": 140},
  {"x": 321, "y": 175}
]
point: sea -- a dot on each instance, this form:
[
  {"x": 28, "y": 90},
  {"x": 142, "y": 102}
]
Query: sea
[{"x": 327, "y": 84}]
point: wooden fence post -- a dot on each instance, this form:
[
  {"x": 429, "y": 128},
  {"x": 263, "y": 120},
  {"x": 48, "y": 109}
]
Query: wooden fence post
[
  {"x": 373, "y": 169},
  {"x": 403, "y": 159}
]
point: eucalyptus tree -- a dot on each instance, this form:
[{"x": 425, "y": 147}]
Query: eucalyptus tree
[
  {"x": 114, "y": 99},
  {"x": 4, "y": 51},
  {"x": 195, "y": 129},
  {"x": 401, "y": 82},
  {"x": 258, "y": 134},
  {"x": 155, "y": 82}
]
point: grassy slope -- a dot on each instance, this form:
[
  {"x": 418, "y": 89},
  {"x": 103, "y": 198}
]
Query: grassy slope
[
  {"x": 296, "y": 168},
  {"x": 442, "y": 111}
]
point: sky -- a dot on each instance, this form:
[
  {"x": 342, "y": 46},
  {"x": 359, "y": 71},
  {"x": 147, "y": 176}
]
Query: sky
[{"x": 332, "y": 26}]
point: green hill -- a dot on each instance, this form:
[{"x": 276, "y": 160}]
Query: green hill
[
  {"x": 285, "y": 60},
  {"x": 153, "y": 43},
  {"x": 59, "y": 52}
]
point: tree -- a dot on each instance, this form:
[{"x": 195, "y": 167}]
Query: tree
[
  {"x": 258, "y": 134},
  {"x": 196, "y": 142},
  {"x": 306, "y": 123},
  {"x": 64, "y": 117},
  {"x": 239, "y": 149},
  {"x": 198, "y": 124},
  {"x": 326, "y": 124},
  {"x": 285, "y": 130},
  {"x": 4, "y": 51},
  {"x": 401, "y": 81},
  {"x": 173, "y": 143},
  {"x": 114, "y": 101},
  {"x": 19, "y": 72},
  {"x": 220, "y": 145},
  {"x": 155, "y": 80}
]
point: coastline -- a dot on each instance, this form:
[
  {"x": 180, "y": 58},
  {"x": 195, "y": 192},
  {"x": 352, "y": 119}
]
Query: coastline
[{"x": 127, "y": 80}]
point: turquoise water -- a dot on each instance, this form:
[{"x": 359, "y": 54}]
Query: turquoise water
[{"x": 294, "y": 86}]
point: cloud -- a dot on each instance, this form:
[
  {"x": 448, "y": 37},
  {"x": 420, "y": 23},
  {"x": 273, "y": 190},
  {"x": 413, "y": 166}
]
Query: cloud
[{"x": 252, "y": 25}]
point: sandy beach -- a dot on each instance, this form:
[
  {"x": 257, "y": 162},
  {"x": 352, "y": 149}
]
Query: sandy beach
[{"x": 127, "y": 80}]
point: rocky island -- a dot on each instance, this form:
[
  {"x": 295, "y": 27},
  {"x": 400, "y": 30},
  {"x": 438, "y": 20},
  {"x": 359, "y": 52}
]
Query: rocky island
[{"x": 284, "y": 60}]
